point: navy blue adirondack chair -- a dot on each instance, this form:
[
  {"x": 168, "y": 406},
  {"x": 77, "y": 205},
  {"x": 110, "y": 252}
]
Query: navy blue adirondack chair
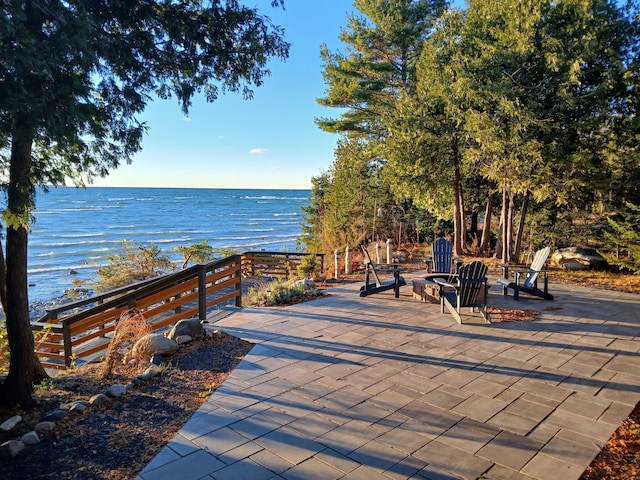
[
  {"x": 441, "y": 263},
  {"x": 466, "y": 290}
]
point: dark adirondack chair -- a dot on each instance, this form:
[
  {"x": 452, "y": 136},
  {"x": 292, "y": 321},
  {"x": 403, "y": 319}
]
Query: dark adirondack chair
[
  {"x": 372, "y": 282},
  {"x": 525, "y": 278},
  {"x": 441, "y": 263},
  {"x": 467, "y": 290}
]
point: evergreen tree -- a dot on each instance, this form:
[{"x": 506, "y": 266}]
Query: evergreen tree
[{"x": 75, "y": 75}]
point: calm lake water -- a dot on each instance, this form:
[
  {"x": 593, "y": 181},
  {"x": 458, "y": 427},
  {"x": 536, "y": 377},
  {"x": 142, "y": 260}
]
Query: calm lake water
[{"x": 76, "y": 229}]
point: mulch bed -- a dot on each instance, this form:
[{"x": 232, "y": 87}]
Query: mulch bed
[
  {"x": 115, "y": 442},
  {"x": 512, "y": 315}
]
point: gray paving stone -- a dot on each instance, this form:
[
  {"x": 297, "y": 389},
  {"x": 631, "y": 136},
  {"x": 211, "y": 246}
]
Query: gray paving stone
[
  {"x": 287, "y": 444},
  {"x": 546, "y": 467},
  {"x": 243, "y": 470},
  {"x": 166, "y": 455},
  {"x": 616, "y": 413},
  {"x": 580, "y": 424},
  {"x": 510, "y": 450},
  {"x": 377, "y": 456},
  {"x": 312, "y": 469},
  {"x": 499, "y": 472},
  {"x": 191, "y": 467},
  {"x": 239, "y": 453},
  {"x": 467, "y": 438},
  {"x": 570, "y": 451},
  {"x": 404, "y": 440},
  {"x": 200, "y": 425},
  {"x": 254, "y": 426},
  {"x": 443, "y": 399},
  {"x": 337, "y": 460},
  {"x": 480, "y": 408},
  {"x": 453, "y": 460},
  {"x": 513, "y": 423},
  {"x": 313, "y": 425},
  {"x": 587, "y": 406},
  {"x": 220, "y": 441},
  {"x": 271, "y": 461}
]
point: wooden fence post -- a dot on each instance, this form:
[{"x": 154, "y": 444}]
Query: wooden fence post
[
  {"x": 336, "y": 273},
  {"x": 348, "y": 261},
  {"x": 239, "y": 285},
  {"x": 202, "y": 292},
  {"x": 389, "y": 250},
  {"x": 378, "y": 253}
]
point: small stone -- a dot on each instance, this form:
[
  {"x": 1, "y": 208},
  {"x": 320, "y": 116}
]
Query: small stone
[
  {"x": 137, "y": 380},
  {"x": 99, "y": 400},
  {"x": 128, "y": 387},
  {"x": 143, "y": 377},
  {"x": 54, "y": 416},
  {"x": 44, "y": 427},
  {"x": 11, "y": 448},
  {"x": 152, "y": 371},
  {"x": 192, "y": 327},
  {"x": 158, "y": 359},
  {"x": 153, "y": 343},
  {"x": 64, "y": 406},
  {"x": 79, "y": 406},
  {"x": 30, "y": 438},
  {"x": 116, "y": 390},
  {"x": 10, "y": 423},
  {"x": 182, "y": 339}
]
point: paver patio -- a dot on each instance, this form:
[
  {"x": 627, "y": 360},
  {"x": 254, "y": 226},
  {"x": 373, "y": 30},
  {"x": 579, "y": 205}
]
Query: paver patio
[{"x": 379, "y": 387}]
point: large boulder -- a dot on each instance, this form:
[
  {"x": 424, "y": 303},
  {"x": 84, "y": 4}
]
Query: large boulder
[
  {"x": 153, "y": 343},
  {"x": 577, "y": 258},
  {"x": 191, "y": 326}
]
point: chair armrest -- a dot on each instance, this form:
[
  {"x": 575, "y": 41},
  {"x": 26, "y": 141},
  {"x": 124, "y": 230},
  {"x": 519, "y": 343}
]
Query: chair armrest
[{"x": 444, "y": 284}]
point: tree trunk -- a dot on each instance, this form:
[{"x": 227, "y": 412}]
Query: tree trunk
[
  {"x": 485, "y": 241},
  {"x": 507, "y": 233},
  {"x": 24, "y": 366},
  {"x": 459, "y": 231},
  {"x": 523, "y": 215}
]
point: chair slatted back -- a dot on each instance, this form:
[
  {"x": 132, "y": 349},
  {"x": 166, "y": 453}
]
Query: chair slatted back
[
  {"x": 537, "y": 264},
  {"x": 370, "y": 265},
  {"x": 442, "y": 251},
  {"x": 471, "y": 277}
]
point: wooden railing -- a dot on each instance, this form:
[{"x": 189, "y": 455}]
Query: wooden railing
[
  {"x": 274, "y": 264},
  {"x": 81, "y": 329}
]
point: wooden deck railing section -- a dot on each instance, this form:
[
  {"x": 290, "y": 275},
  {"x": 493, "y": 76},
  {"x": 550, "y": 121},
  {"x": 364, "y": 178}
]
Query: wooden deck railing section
[
  {"x": 81, "y": 330},
  {"x": 274, "y": 264}
]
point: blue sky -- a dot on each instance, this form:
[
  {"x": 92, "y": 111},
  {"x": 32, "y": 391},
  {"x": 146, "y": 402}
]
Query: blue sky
[{"x": 271, "y": 141}]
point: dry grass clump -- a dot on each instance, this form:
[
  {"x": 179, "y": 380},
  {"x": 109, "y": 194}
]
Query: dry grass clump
[{"x": 130, "y": 328}]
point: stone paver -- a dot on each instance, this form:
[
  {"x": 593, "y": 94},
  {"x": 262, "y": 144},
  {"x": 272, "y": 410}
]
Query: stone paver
[{"x": 385, "y": 388}]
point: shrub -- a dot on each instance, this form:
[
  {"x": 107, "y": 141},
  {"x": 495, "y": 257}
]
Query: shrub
[
  {"x": 273, "y": 293},
  {"x": 309, "y": 266}
]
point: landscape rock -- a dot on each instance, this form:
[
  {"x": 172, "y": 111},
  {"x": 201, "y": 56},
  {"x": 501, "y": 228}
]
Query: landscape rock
[
  {"x": 577, "y": 258},
  {"x": 116, "y": 390},
  {"x": 30, "y": 438},
  {"x": 308, "y": 284},
  {"x": 79, "y": 406},
  {"x": 10, "y": 423},
  {"x": 152, "y": 371},
  {"x": 44, "y": 427},
  {"x": 11, "y": 448},
  {"x": 153, "y": 343},
  {"x": 182, "y": 339},
  {"x": 190, "y": 326},
  {"x": 158, "y": 359},
  {"x": 54, "y": 416},
  {"x": 99, "y": 400}
]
